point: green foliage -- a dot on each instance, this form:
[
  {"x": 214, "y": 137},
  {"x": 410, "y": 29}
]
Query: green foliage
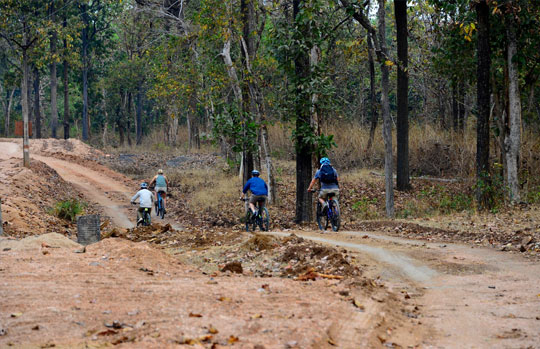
[
  {"x": 491, "y": 190},
  {"x": 446, "y": 202},
  {"x": 366, "y": 208},
  {"x": 69, "y": 209}
]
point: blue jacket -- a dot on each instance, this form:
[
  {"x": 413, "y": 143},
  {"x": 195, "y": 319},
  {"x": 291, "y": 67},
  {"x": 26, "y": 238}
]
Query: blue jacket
[{"x": 256, "y": 185}]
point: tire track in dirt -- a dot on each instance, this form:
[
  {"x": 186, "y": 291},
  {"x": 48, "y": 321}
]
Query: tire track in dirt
[{"x": 472, "y": 297}]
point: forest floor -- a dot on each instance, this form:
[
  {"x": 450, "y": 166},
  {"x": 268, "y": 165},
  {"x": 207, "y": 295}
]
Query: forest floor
[{"x": 196, "y": 279}]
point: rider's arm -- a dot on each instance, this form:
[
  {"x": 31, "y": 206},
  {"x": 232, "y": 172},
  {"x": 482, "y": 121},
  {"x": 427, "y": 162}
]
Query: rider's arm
[
  {"x": 135, "y": 197},
  {"x": 245, "y": 189},
  {"x": 166, "y": 181},
  {"x": 313, "y": 181},
  {"x": 152, "y": 181}
]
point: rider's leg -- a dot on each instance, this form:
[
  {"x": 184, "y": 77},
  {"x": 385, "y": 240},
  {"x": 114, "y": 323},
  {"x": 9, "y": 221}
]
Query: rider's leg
[{"x": 139, "y": 214}]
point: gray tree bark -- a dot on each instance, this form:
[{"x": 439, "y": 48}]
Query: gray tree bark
[
  {"x": 24, "y": 102},
  {"x": 512, "y": 140},
  {"x": 387, "y": 121}
]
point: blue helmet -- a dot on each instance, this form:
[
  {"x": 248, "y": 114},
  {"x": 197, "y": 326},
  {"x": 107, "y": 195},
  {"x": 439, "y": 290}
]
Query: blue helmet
[
  {"x": 144, "y": 185},
  {"x": 324, "y": 161},
  {"x": 255, "y": 173}
]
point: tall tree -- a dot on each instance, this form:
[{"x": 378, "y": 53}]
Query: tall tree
[
  {"x": 378, "y": 36},
  {"x": 483, "y": 87},
  {"x": 304, "y": 147},
  {"x": 54, "y": 103},
  {"x": 20, "y": 25},
  {"x": 512, "y": 140},
  {"x": 403, "y": 180}
]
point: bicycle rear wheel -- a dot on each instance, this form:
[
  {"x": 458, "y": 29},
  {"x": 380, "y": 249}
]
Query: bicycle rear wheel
[
  {"x": 335, "y": 219},
  {"x": 264, "y": 219},
  {"x": 251, "y": 224},
  {"x": 322, "y": 217}
]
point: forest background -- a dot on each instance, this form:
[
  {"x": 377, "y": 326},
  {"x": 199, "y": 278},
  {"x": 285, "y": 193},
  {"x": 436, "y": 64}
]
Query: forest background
[{"x": 263, "y": 81}]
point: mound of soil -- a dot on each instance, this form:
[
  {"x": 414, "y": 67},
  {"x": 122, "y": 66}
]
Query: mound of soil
[
  {"x": 51, "y": 240},
  {"x": 28, "y": 195}
]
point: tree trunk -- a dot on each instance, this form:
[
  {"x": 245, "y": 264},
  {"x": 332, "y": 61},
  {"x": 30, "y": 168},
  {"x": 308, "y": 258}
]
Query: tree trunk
[
  {"x": 483, "y": 101},
  {"x": 387, "y": 121},
  {"x": 512, "y": 140},
  {"x": 85, "y": 43},
  {"x": 8, "y": 111},
  {"x": 455, "y": 107},
  {"x": 66, "y": 88},
  {"x": 372, "y": 96},
  {"x": 129, "y": 116},
  {"x": 37, "y": 110},
  {"x": 403, "y": 180},
  {"x": 272, "y": 193},
  {"x": 461, "y": 106},
  {"x": 304, "y": 148},
  {"x": 24, "y": 102},
  {"x": 54, "y": 84},
  {"x": 139, "y": 113}
]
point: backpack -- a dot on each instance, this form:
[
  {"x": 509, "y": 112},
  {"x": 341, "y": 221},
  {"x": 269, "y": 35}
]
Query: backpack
[{"x": 327, "y": 174}]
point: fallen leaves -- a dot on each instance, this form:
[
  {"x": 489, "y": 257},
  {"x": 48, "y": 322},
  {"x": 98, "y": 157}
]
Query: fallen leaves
[{"x": 194, "y": 315}]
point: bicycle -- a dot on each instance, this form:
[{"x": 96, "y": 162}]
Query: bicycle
[
  {"x": 261, "y": 218},
  {"x": 160, "y": 207},
  {"x": 330, "y": 215},
  {"x": 146, "y": 219}
]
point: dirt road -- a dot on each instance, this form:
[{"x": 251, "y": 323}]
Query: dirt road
[
  {"x": 99, "y": 188},
  {"x": 449, "y": 296},
  {"x": 472, "y": 297}
]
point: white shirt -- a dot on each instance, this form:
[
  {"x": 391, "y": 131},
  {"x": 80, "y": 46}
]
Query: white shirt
[{"x": 146, "y": 198}]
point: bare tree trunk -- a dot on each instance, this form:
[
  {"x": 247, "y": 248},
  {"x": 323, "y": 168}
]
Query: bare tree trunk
[
  {"x": 85, "y": 43},
  {"x": 461, "y": 105},
  {"x": 512, "y": 140},
  {"x": 54, "y": 83},
  {"x": 24, "y": 102},
  {"x": 304, "y": 148},
  {"x": 483, "y": 101},
  {"x": 403, "y": 180},
  {"x": 372, "y": 100},
  {"x": 139, "y": 114},
  {"x": 272, "y": 193},
  {"x": 37, "y": 111},
  {"x": 105, "y": 126},
  {"x": 65, "y": 69},
  {"x": 387, "y": 127},
  {"x": 455, "y": 108},
  {"x": 8, "y": 112}
]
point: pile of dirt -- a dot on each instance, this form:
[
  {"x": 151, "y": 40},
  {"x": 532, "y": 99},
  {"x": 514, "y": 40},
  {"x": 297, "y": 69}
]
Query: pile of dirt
[
  {"x": 28, "y": 196},
  {"x": 50, "y": 240},
  {"x": 75, "y": 147},
  {"x": 145, "y": 163},
  {"x": 266, "y": 256}
]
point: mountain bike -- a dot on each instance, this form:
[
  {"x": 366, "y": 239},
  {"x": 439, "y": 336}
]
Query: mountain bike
[
  {"x": 260, "y": 219},
  {"x": 329, "y": 215},
  {"x": 160, "y": 206},
  {"x": 146, "y": 220}
]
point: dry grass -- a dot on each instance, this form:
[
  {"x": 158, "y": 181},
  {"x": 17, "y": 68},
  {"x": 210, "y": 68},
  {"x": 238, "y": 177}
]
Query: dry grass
[{"x": 208, "y": 186}]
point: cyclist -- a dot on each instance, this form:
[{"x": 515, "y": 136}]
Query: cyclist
[
  {"x": 328, "y": 180},
  {"x": 161, "y": 184},
  {"x": 259, "y": 191},
  {"x": 146, "y": 198}
]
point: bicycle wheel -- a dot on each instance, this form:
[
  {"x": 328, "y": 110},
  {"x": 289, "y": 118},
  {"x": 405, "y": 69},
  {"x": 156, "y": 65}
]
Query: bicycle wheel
[
  {"x": 322, "y": 217},
  {"x": 146, "y": 217},
  {"x": 264, "y": 220},
  {"x": 335, "y": 219},
  {"x": 249, "y": 221}
]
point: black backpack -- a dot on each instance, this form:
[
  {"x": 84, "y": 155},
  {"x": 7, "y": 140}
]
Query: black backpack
[{"x": 327, "y": 174}]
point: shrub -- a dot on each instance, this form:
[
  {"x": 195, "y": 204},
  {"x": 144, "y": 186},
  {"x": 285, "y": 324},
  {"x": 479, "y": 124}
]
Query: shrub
[{"x": 69, "y": 209}]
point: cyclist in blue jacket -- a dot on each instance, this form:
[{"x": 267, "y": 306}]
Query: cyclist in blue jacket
[{"x": 258, "y": 188}]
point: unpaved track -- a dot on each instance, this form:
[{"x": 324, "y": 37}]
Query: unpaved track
[
  {"x": 112, "y": 195},
  {"x": 473, "y": 297}
]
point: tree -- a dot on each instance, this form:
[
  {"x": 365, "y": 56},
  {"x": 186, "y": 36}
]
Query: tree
[
  {"x": 512, "y": 140},
  {"x": 403, "y": 181},
  {"x": 21, "y": 23},
  {"x": 378, "y": 36},
  {"x": 483, "y": 89}
]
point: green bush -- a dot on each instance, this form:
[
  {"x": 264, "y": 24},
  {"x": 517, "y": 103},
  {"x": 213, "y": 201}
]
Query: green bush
[{"x": 69, "y": 209}]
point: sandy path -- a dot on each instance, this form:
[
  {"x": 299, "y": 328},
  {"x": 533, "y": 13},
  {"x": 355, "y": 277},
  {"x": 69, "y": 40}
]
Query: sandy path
[
  {"x": 473, "y": 297},
  {"x": 97, "y": 187}
]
